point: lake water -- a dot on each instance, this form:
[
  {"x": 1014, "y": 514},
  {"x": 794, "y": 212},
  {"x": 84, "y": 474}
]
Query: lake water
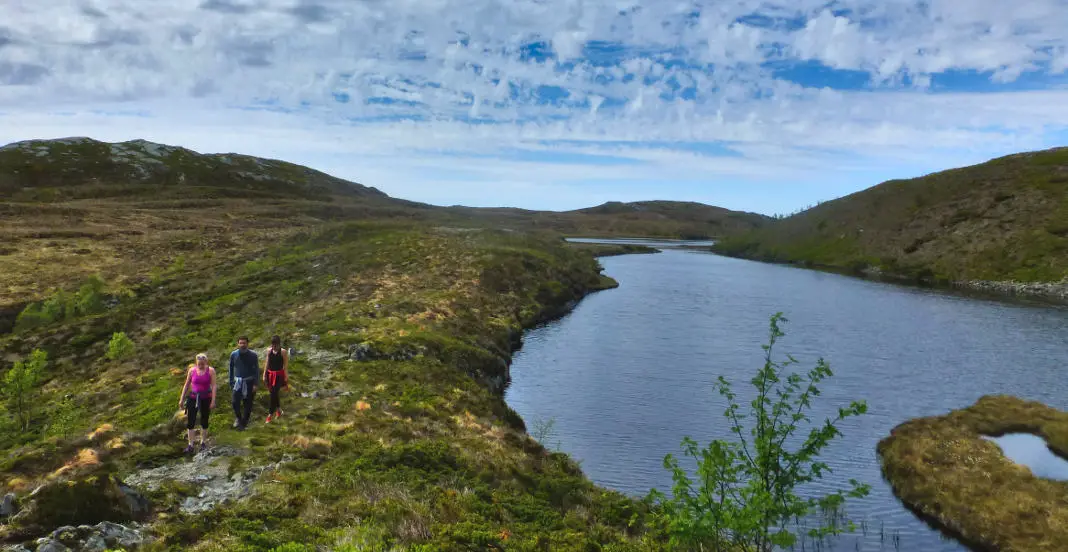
[{"x": 630, "y": 372}]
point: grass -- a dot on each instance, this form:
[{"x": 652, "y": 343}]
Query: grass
[
  {"x": 434, "y": 459},
  {"x": 613, "y": 250},
  {"x": 943, "y": 469},
  {"x": 413, "y": 448},
  {"x": 999, "y": 221}
]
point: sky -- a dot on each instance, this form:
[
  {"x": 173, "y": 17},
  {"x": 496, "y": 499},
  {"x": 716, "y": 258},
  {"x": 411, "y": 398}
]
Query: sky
[{"x": 758, "y": 105}]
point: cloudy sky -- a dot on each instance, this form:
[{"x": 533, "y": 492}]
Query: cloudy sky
[{"x": 761, "y": 105}]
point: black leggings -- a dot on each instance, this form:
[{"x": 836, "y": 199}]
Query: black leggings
[
  {"x": 276, "y": 401},
  {"x": 192, "y": 405}
]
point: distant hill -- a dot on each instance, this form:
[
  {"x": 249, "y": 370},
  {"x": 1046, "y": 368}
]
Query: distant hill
[
  {"x": 687, "y": 219},
  {"x": 1006, "y": 219},
  {"x": 152, "y": 175},
  {"x": 663, "y": 219},
  {"x": 81, "y": 168}
]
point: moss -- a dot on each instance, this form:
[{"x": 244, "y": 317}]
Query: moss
[
  {"x": 942, "y": 468},
  {"x": 81, "y": 502}
]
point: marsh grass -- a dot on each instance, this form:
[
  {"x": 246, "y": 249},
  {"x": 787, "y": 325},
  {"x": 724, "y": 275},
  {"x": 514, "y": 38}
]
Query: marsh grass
[{"x": 943, "y": 469}]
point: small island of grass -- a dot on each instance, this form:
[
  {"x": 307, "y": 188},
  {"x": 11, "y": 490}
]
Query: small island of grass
[{"x": 943, "y": 469}]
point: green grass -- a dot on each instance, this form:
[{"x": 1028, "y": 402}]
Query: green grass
[
  {"x": 434, "y": 461},
  {"x": 413, "y": 448},
  {"x": 1001, "y": 220}
]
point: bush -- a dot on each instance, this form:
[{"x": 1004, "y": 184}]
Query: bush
[
  {"x": 88, "y": 300},
  {"x": 120, "y": 346},
  {"x": 746, "y": 496},
  {"x": 21, "y": 387}
]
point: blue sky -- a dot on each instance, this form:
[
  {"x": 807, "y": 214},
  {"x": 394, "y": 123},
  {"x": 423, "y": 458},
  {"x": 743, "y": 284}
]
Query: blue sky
[{"x": 760, "y": 105}]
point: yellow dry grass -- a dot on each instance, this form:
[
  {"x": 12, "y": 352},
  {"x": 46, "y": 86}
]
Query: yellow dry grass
[
  {"x": 86, "y": 458},
  {"x": 942, "y": 468},
  {"x": 102, "y": 431}
]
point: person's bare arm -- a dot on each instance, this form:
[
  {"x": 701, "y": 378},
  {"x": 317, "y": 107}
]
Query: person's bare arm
[
  {"x": 285, "y": 366},
  {"x": 266, "y": 357},
  {"x": 214, "y": 386},
  {"x": 188, "y": 376}
]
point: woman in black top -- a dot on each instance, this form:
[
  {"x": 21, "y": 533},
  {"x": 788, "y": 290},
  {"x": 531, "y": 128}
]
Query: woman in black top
[{"x": 276, "y": 376}]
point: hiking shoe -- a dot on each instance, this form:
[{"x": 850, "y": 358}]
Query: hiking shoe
[
  {"x": 278, "y": 414},
  {"x": 237, "y": 424},
  {"x": 268, "y": 420},
  {"x": 189, "y": 449}
]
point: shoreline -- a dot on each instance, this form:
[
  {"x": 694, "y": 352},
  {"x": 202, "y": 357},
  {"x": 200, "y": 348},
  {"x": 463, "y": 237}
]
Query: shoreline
[{"x": 1049, "y": 294}]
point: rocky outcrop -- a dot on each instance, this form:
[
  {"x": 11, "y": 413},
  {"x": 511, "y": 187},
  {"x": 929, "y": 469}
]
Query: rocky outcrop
[
  {"x": 87, "y": 538},
  {"x": 8, "y": 505},
  {"x": 209, "y": 473},
  {"x": 94, "y": 499}
]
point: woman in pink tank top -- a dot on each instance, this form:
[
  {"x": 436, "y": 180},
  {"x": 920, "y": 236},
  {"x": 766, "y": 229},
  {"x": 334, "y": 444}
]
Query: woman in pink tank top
[{"x": 200, "y": 381}]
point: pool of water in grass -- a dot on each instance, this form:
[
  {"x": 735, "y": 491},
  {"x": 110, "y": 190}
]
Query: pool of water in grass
[{"x": 1032, "y": 451}]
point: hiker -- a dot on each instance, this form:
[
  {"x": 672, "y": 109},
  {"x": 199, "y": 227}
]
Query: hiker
[
  {"x": 201, "y": 383},
  {"x": 276, "y": 376},
  {"x": 244, "y": 372}
]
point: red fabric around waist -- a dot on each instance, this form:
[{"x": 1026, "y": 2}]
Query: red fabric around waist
[{"x": 276, "y": 378}]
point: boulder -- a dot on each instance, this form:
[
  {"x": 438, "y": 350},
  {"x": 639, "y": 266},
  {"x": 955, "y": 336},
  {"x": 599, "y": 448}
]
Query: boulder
[
  {"x": 95, "y": 543},
  {"x": 8, "y": 505},
  {"x": 52, "y": 546},
  {"x": 91, "y": 500},
  {"x": 361, "y": 352},
  {"x": 137, "y": 503}
]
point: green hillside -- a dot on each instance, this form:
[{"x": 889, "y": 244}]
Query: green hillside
[
  {"x": 658, "y": 219},
  {"x": 403, "y": 318},
  {"x": 1003, "y": 220}
]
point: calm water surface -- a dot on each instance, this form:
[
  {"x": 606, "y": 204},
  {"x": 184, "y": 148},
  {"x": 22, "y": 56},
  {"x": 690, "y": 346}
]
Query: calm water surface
[{"x": 631, "y": 370}]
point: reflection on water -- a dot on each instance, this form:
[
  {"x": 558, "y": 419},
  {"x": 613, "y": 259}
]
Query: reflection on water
[
  {"x": 631, "y": 370},
  {"x": 1031, "y": 451}
]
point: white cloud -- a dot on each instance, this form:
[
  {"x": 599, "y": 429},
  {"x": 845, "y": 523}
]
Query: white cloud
[{"x": 679, "y": 79}]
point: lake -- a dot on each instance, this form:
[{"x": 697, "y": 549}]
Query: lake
[{"x": 631, "y": 371}]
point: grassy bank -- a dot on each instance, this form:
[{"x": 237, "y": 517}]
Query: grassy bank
[
  {"x": 943, "y": 469},
  {"x": 613, "y": 250},
  {"x": 1003, "y": 220},
  {"x": 404, "y": 318},
  {"x": 411, "y": 450}
]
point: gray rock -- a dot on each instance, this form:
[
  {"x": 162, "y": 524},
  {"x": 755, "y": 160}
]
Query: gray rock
[
  {"x": 67, "y": 535},
  {"x": 361, "y": 352},
  {"x": 139, "y": 505},
  {"x": 8, "y": 505},
  {"x": 52, "y": 546},
  {"x": 130, "y": 539},
  {"x": 95, "y": 543},
  {"x": 110, "y": 531},
  {"x": 17, "y": 548}
]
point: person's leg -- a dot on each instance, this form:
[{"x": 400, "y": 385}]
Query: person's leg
[
  {"x": 205, "y": 411},
  {"x": 274, "y": 400},
  {"x": 248, "y": 404},
  {"x": 191, "y": 418},
  {"x": 235, "y": 402}
]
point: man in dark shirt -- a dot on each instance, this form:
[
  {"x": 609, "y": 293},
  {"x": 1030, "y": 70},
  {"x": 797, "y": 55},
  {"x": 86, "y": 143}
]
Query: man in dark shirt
[{"x": 244, "y": 374}]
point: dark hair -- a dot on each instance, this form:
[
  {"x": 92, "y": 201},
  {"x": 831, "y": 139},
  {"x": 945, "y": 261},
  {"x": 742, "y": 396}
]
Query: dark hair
[
  {"x": 276, "y": 340},
  {"x": 244, "y": 337}
]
